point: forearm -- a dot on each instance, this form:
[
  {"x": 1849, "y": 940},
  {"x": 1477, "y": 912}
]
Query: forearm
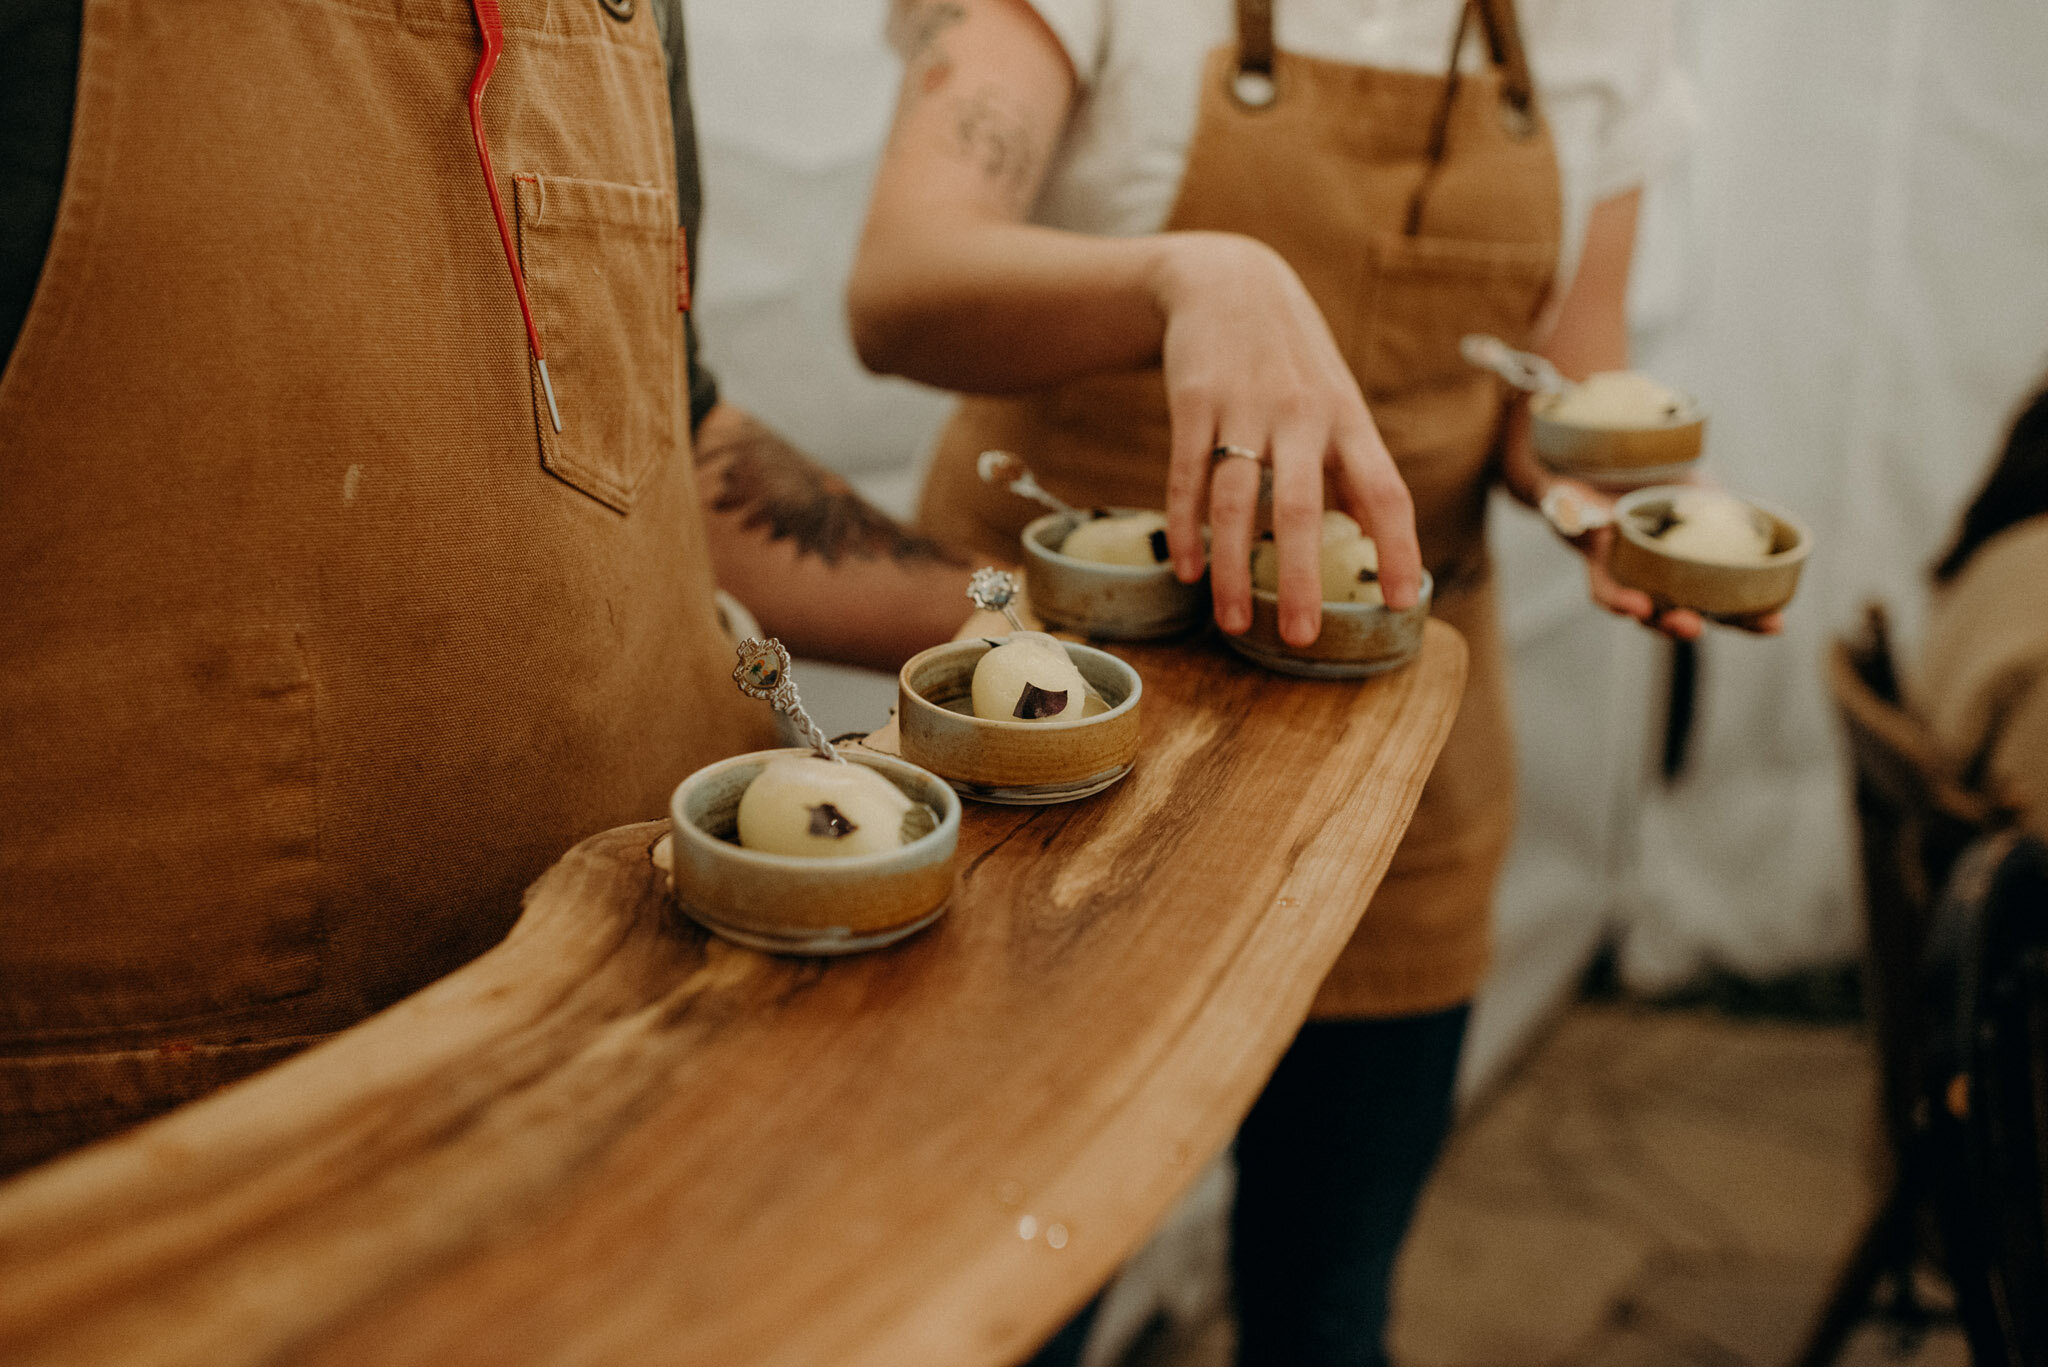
[
  {"x": 822, "y": 569},
  {"x": 994, "y": 307}
]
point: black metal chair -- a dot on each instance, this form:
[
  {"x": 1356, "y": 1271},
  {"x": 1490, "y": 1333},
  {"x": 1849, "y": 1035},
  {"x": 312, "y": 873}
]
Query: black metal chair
[
  {"x": 1986, "y": 1094},
  {"x": 1914, "y": 822}
]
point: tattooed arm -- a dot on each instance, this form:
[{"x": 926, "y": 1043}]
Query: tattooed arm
[
  {"x": 823, "y": 569},
  {"x": 953, "y": 287}
]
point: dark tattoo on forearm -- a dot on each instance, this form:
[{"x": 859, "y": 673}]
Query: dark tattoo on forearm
[
  {"x": 779, "y": 490},
  {"x": 915, "y": 27},
  {"x": 997, "y": 142}
]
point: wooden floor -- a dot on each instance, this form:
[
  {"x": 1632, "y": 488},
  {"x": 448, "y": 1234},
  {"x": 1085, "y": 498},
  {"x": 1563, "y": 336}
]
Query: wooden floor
[{"x": 1651, "y": 1188}]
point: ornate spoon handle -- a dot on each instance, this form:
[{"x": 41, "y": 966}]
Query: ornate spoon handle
[
  {"x": 763, "y": 672},
  {"x": 993, "y": 590},
  {"x": 1009, "y": 470},
  {"x": 1522, "y": 369}
]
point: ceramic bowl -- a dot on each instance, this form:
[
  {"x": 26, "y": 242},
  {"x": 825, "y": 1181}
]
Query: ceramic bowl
[
  {"x": 1621, "y": 457},
  {"x": 1721, "y": 591},
  {"x": 1018, "y": 763},
  {"x": 1110, "y": 602},
  {"x": 796, "y": 905},
  {"x": 1358, "y": 640}
]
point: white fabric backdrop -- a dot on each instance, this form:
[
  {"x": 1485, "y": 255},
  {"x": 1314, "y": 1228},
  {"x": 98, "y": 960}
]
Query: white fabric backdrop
[
  {"x": 1869, "y": 219},
  {"x": 1851, "y": 270},
  {"x": 793, "y": 100}
]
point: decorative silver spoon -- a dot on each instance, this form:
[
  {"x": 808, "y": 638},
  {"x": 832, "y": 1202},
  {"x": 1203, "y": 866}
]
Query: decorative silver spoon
[
  {"x": 994, "y": 590},
  {"x": 1007, "y": 468},
  {"x": 763, "y": 672},
  {"x": 1522, "y": 369},
  {"x": 1570, "y": 514}
]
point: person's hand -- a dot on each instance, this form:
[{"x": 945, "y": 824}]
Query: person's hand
[
  {"x": 1581, "y": 516},
  {"x": 1250, "y": 364}
]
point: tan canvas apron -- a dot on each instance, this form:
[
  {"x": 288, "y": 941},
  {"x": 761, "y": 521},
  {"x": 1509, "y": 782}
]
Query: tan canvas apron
[
  {"x": 1415, "y": 208},
  {"x": 317, "y": 646}
]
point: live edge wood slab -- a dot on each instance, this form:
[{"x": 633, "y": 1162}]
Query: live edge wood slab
[{"x": 614, "y": 1140}]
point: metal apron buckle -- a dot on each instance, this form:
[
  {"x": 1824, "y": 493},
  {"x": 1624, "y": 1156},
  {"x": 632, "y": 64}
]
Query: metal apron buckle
[{"x": 1251, "y": 88}]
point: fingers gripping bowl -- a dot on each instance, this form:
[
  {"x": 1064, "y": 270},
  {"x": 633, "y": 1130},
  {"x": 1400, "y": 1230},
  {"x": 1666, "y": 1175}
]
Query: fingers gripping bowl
[
  {"x": 1360, "y": 635},
  {"x": 1358, "y": 640}
]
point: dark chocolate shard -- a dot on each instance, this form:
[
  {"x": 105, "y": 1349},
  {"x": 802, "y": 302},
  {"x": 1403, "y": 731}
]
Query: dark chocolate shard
[
  {"x": 1158, "y": 540},
  {"x": 1655, "y": 521},
  {"x": 1038, "y": 703},
  {"x": 827, "y": 820},
  {"x": 1368, "y": 576}
]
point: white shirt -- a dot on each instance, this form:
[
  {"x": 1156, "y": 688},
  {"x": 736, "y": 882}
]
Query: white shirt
[{"x": 1606, "y": 72}]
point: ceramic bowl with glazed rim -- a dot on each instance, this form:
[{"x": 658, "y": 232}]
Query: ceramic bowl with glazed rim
[
  {"x": 1109, "y": 602},
  {"x": 1619, "y": 457},
  {"x": 1358, "y": 640},
  {"x": 790, "y": 904},
  {"x": 1725, "y": 591},
  {"x": 1017, "y": 763}
]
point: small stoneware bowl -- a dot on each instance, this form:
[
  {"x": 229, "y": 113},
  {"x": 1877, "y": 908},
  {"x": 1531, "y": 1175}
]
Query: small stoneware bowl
[
  {"x": 1358, "y": 640},
  {"x": 795, "y": 905},
  {"x": 1110, "y": 602},
  {"x": 1730, "y": 592},
  {"x": 1018, "y": 763},
  {"x": 1620, "y": 457}
]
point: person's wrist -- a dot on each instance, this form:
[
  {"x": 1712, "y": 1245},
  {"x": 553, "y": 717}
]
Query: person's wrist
[
  {"x": 1522, "y": 475},
  {"x": 1528, "y": 486},
  {"x": 1172, "y": 266},
  {"x": 1186, "y": 261}
]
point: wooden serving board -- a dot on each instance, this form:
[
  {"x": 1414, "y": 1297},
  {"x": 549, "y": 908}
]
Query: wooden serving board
[{"x": 614, "y": 1140}]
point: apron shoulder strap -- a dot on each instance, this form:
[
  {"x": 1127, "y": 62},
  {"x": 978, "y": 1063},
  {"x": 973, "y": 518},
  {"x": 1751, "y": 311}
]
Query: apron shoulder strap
[
  {"x": 1504, "y": 45},
  {"x": 1517, "y": 89},
  {"x": 1255, "y": 36},
  {"x": 1252, "y": 84}
]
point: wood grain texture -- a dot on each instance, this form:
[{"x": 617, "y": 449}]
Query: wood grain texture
[{"x": 616, "y": 1140}]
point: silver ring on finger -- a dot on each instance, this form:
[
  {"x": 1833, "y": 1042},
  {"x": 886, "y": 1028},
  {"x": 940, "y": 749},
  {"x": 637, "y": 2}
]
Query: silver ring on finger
[{"x": 1219, "y": 454}]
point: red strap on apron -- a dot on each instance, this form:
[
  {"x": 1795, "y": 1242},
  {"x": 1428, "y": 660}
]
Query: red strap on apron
[
  {"x": 682, "y": 269},
  {"x": 491, "y": 24}
]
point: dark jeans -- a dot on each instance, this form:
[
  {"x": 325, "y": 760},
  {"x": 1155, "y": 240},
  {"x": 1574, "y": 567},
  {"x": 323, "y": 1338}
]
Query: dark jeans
[{"x": 1329, "y": 1164}]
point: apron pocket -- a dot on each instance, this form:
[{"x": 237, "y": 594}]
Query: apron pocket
[
  {"x": 159, "y": 857},
  {"x": 1423, "y": 294},
  {"x": 600, "y": 263}
]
